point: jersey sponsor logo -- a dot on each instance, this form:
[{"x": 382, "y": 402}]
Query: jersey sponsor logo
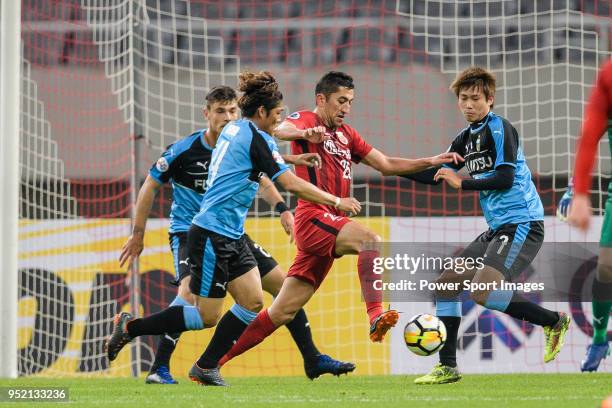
[
  {"x": 162, "y": 165},
  {"x": 201, "y": 173},
  {"x": 277, "y": 157},
  {"x": 332, "y": 217},
  {"x": 231, "y": 130},
  {"x": 294, "y": 115},
  {"x": 331, "y": 148},
  {"x": 342, "y": 138},
  {"x": 479, "y": 164}
]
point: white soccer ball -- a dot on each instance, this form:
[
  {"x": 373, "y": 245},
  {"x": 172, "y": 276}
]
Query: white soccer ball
[{"x": 425, "y": 334}]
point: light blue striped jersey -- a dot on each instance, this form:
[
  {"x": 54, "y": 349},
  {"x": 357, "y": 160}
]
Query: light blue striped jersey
[
  {"x": 242, "y": 155},
  {"x": 185, "y": 164},
  {"x": 486, "y": 145}
]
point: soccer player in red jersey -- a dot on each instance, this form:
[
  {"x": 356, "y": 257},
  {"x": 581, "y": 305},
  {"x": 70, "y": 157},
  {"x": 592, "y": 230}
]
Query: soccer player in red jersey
[
  {"x": 596, "y": 120},
  {"x": 323, "y": 233}
]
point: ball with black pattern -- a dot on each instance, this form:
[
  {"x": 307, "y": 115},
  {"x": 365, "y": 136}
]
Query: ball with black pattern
[{"x": 425, "y": 334}]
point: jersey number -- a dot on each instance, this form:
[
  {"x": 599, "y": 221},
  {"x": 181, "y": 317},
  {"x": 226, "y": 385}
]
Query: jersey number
[
  {"x": 263, "y": 251},
  {"x": 215, "y": 162},
  {"x": 346, "y": 169},
  {"x": 504, "y": 240}
]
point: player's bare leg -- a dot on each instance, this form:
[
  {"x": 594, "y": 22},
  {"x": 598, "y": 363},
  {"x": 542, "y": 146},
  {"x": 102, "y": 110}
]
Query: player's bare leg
[
  {"x": 294, "y": 294},
  {"x": 355, "y": 239},
  {"x": 315, "y": 363}
]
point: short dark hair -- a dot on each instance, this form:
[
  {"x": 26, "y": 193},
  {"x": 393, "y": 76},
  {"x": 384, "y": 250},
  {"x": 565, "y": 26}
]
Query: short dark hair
[
  {"x": 221, "y": 93},
  {"x": 474, "y": 77},
  {"x": 259, "y": 89},
  {"x": 332, "y": 81}
]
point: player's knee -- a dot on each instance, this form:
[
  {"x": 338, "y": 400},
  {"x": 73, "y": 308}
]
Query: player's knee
[
  {"x": 210, "y": 318},
  {"x": 480, "y": 296},
  {"x": 369, "y": 241},
  {"x": 287, "y": 314},
  {"x": 253, "y": 305},
  {"x": 185, "y": 293}
]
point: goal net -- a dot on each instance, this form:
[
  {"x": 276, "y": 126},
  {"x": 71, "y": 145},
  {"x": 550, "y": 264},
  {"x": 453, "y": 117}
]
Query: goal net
[{"x": 110, "y": 83}]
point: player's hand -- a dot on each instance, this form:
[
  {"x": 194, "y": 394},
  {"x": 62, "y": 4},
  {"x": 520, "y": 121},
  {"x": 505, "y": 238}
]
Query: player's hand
[
  {"x": 451, "y": 178},
  {"x": 349, "y": 205},
  {"x": 580, "y": 212},
  {"x": 132, "y": 249},
  {"x": 315, "y": 134},
  {"x": 308, "y": 159},
  {"x": 448, "y": 157},
  {"x": 565, "y": 202},
  {"x": 286, "y": 219}
]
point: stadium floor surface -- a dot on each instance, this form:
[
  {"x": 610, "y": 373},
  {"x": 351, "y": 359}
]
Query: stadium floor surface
[{"x": 503, "y": 390}]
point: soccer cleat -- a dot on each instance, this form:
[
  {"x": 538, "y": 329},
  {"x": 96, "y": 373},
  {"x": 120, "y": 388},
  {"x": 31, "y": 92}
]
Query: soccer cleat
[
  {"x": 555, "y": 337},
  {"x": 595, "y": 353},
  {"x": 440, "y": 374},
  {"x": 120, "y": 336},
  {"x": 161, "y": 375},
  {"x": 207, "y": 376},
  {"x": 324, "y": 364},
  {"x": 381, "y": 325}
]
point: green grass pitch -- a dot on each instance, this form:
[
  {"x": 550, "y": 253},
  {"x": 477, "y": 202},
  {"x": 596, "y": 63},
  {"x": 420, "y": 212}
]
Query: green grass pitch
[{"x": 511, "y": 390}]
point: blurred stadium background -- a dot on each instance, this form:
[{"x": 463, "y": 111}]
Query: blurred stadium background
[{"x": 107, "y": 84}]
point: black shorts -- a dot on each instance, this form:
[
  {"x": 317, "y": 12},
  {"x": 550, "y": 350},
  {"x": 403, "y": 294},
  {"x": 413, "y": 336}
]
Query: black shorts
[
  {"x": 265, "y": 261},
  {"x": 510, "y": 248},
  {"x": 215, "y": 260},
  {"x": 180, "y": 255}
]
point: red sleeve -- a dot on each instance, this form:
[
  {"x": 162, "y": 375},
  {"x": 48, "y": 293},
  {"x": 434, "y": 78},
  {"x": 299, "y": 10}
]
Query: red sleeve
[
  {"x": 359, "y": 147},
  {"x": 593, "y": 128},
  {"x": 300, "y": 120}
]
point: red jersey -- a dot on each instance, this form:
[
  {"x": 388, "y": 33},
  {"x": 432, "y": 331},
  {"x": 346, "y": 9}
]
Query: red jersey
[
  {"x": 344, "y": 146},
  {"x": 596, "y": 116}
]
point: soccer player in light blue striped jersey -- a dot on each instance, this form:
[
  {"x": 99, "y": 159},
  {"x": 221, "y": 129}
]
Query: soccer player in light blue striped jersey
[{"x": 509, "y": 200}]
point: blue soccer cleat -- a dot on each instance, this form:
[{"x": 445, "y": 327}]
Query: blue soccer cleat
[
  {"x": 324, "y": 364},
  {"x": 595, "y": 353},
  {"x": 161, "y": 375}
]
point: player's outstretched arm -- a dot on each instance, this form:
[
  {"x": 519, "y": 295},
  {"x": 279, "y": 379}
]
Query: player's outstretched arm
[
  {"x": 271, "y": 196},
  {"x": 391, "y": 166},
  {"x": 288, "y": 131},
  {"x": 502, "y": 179},
  {"x": 309, "y": 192},
  {"x": 135, "y": 243},
  {"x": 305, "y": 159}
]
